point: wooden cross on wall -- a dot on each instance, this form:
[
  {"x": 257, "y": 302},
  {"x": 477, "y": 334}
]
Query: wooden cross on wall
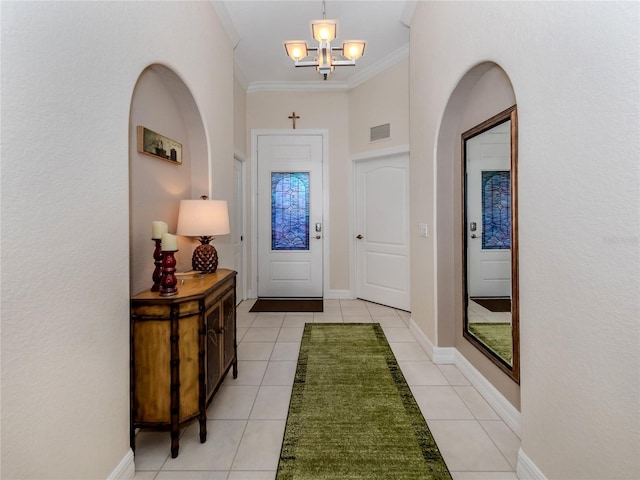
[{"x": 293, "y": 117}]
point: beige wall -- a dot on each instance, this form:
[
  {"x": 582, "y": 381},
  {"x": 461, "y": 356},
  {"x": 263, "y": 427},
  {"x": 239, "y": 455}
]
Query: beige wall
[
  {"x": 574, "y": 68},
  {"x": 65, "y": 214},
  {"x": 380, "y": 100},
  {"x": 240, "y": 140}
]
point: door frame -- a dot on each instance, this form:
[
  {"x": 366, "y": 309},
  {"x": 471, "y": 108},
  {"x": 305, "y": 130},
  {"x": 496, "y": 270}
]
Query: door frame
[
  {"x": 243, "y": 180},
  {"x": 359, "y": 157},
  {"x": 252, "y": 292}
]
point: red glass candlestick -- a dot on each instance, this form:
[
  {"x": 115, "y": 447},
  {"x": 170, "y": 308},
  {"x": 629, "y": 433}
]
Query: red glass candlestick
[
  {"x": 169, "y": 281},
  {"x": 157, "y": 273}
]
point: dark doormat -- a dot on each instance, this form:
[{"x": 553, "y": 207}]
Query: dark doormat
[
  {"x": 494, "y": 304},
  {"x": 287, "y": 305}
]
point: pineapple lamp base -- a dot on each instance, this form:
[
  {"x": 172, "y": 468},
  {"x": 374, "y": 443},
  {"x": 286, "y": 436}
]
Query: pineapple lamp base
[{"x": 205, "y": 256}]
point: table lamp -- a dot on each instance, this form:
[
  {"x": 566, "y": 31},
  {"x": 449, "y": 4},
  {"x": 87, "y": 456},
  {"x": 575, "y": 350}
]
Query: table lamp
[{"x": 203, "y": 218}]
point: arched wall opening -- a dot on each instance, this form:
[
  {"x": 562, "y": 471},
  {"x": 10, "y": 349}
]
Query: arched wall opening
[
  {"x": 162, "y": 103},
  {"x": 483, "y": 91}
]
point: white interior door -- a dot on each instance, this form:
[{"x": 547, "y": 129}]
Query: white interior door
[
  {"x": 238, "y": 229},
  {"x": 290, "y": 217},
  {"x": 488, "y": 191},
  {"x": 382, "y": 231}
]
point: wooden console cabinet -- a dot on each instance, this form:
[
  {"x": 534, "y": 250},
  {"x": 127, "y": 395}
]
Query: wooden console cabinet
[{"x": 181, "y": 349}]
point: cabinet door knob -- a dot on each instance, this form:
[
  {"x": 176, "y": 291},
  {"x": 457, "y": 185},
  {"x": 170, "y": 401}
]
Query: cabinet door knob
[{"x": 359, "y": 237}]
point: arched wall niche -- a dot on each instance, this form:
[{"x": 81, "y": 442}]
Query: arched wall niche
[
  {"x": 162, "y": 102},
  {"x": 482, "y": 92}
]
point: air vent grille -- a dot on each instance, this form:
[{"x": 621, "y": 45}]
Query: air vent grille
[{"x": 380, "y": 132}]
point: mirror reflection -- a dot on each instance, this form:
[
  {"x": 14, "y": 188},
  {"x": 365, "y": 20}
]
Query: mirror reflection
[{"x": 489, "y": 154}]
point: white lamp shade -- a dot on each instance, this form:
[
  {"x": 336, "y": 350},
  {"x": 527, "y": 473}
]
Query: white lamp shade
[
  {"x": 297, "y": 49},
  {"x": 353, "y": 49},
  {"x": 324, "y": 30},
  {"x": 201, "y": 218}
]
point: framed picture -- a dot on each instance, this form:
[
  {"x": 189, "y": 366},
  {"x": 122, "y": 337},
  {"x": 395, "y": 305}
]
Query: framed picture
[{"x": 158, "y": 146}]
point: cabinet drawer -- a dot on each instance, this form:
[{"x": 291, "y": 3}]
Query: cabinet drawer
[{"x": 164, "y": 310}]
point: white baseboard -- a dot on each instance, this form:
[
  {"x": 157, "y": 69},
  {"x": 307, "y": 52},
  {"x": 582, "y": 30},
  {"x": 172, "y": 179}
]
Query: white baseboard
[
  {"x": 125, "y": 470},
  {"x": 451, "y": 356},
  {"x": 526, "y": 469},
  {"x": 338, "y": 295},
  {"x": 438, "y": 355},
  {"x": 509, "y": 414}
]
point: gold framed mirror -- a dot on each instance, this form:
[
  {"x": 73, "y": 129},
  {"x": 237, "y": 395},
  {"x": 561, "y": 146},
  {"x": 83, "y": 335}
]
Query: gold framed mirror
[{"x": 490, "y": 244}]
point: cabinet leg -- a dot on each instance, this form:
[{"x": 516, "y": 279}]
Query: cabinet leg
[
  {"x": 174, "y": 444},
  {"x": 235, "y": 367},
  {"x": 203, "y": 430}
]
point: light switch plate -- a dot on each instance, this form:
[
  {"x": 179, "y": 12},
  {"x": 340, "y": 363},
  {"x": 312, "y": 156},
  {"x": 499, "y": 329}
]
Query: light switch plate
[{"x": 424, "y": 231}]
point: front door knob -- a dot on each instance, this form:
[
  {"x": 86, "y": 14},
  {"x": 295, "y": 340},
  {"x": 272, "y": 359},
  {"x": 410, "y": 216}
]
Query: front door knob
[{"x": 359, "y": 237}]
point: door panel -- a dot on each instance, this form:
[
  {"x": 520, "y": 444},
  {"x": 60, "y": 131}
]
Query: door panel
[
  {"x": 290, "y": 250},
  {"x": 382, "y": 220}
]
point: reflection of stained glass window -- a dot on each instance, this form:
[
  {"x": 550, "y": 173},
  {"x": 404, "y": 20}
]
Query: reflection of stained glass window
[
  {"x": 496, "y": 210},
  {"x": 290, "y": 210}
]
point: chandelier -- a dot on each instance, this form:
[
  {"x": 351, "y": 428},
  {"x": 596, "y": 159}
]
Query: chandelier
[{"x": 322, "y": 57}]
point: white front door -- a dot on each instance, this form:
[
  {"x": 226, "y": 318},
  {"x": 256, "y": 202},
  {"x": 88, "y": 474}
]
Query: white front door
[
  {"x": 489, "y": 213},
  {"x": 382, "y": 231},
  {"x": 290, "y": 216}
]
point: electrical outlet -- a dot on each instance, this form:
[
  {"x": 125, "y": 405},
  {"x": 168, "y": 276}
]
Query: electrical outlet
[{"x": 424, "y": 232}]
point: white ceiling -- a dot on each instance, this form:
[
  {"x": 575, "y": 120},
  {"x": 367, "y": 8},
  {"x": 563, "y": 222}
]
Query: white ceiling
[{"x": 258, "y": 29}]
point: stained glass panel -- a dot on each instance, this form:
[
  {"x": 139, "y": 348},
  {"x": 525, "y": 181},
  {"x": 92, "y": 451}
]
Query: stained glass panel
[
  {"x": 496, "y": 210},
  {"x": 290, "y": 210}
]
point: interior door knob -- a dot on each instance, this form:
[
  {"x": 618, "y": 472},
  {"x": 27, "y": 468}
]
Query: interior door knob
[{"x": 359, "y": 237}]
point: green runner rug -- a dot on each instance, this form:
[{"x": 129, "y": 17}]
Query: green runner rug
[{"x": 352, "y": 415}]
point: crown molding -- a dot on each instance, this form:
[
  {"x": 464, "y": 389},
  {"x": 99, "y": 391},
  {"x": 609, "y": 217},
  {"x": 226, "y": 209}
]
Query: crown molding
[
  {"x": 320, "y": 86},
  {"x": 303, "y": 86},
  {"x": 390, "y": 60},
  {"x": 226, "y": 22}
]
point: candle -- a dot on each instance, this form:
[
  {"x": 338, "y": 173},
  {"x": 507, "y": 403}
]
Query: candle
[
  {"x": 157, "y": 229},
  {"x": 169, "y": 243}
]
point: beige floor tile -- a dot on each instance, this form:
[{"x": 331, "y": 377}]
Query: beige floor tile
[
  {"x": 422, "y": 373},
  {"x": 267, "y": 320},
  {"x": 327, "y": 318},
  {"x": 297, "y": 320},
  {"x": 474, "y": 401},
  {"x": 232, "y": 403},
  {"x": 255, "y": 350},
  {"x": 454, "y": 375},
  {"x": 466, "y": 447},
  {"x": 397, "y": 334},
  {"x": 249, "y": 373},
  {"x": 262, "y": 334},
  {"x": 390, "y": 321},
  {"x": 286, "y": 351},
  {"x": 247, "y": 475},
  {"x": 272, "y": 403},
  {"x": 507, "y": 441},
  {"x": 440, "y": 403},
  {"x": 293, "y": 334},
  {"x": 152, "y": 450},
  {"x": 260, "y": 446},
  {"x": 223, "y": 438},
  {"x": 358, "y": 319},
  {"x": 354, "y": 311},
  {"x": 280, "y": 373},
  {"x": 408, "y": 351},
  {"x": 484, "y": 475},
  {"x": 146, "y": 475},
  {"x": 191, "y": 475}
]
